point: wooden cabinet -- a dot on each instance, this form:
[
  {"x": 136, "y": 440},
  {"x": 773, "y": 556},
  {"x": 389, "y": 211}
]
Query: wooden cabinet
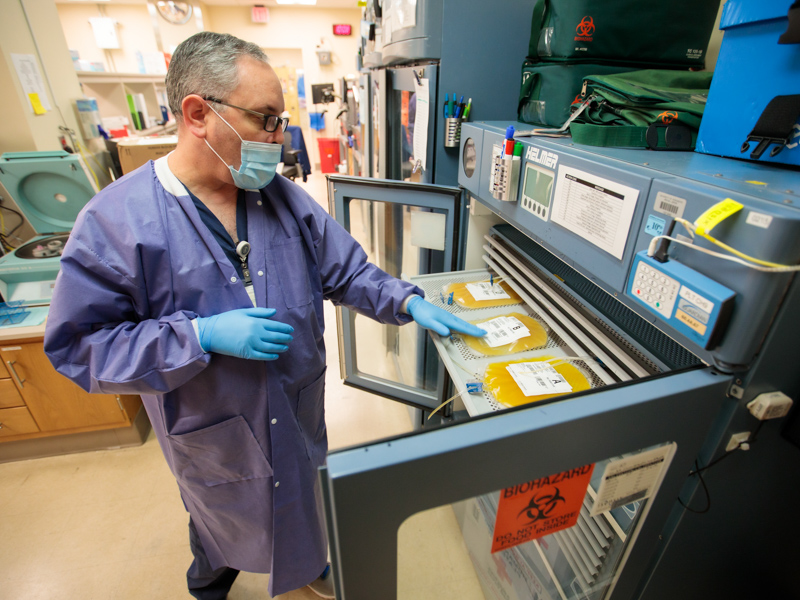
[
  {"x": 16, "y": 421},
  {"x": 36, "y": 401}
]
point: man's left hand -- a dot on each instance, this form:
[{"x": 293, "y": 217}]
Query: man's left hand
[{"x": 442, "y": 322}]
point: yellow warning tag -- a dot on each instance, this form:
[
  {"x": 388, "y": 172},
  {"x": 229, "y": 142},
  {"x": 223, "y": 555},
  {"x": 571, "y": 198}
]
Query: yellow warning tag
[
  {"x": 36, "y": 104},
  {"x": 716, "y": 214}
]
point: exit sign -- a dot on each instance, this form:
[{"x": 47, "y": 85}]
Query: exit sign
[
  {"x": 259, "y": 14},
  {"x": 342, "y": 29}
]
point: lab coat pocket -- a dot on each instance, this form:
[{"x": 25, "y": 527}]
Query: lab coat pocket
[
  {"x": 222, "y": 453},
  {"x": 290, "y": 262},
  {"x": 311, "y": 418}
]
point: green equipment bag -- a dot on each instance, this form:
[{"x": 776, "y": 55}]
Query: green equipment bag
[
  {"x": 669, "y": 33},
  {"x": 654, "y": 108},
  {"x": 549, "y": 89}
]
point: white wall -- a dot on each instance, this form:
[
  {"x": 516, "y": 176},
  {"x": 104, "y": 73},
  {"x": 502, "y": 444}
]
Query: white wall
[
  {"x": 134, "y": 29},
  {"x": 300, "y": 28},
  {"x": 290, "y": 30}
]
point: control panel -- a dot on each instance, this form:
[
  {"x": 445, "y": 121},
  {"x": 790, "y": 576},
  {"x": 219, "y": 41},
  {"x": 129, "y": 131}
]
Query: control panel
[
  {"x": 692, "y": 303},
  {"x": 537, "y": 189}
]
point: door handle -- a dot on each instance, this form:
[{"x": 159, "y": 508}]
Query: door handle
[{"x": 13, "y": 371}]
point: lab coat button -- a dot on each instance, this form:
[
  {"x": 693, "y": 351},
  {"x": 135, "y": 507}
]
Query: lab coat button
[
  {"x": 261, "y": 273},
  {"x": 258, "y": 202},
  {"x": 274, "y": 421},
  {"x": 277, "y": 483},
  {"x": 233, "y": 279}
]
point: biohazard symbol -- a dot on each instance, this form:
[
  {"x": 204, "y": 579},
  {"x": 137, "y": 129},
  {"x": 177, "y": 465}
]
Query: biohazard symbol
[
  {"x": 542, "y": 505},
  {"x": 667, "y": 117},
  {"x": 586, "y": 27}
]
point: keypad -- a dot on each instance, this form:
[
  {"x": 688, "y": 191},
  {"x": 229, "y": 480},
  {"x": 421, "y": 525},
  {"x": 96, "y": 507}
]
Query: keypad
[{"x": 655, "y": 289}]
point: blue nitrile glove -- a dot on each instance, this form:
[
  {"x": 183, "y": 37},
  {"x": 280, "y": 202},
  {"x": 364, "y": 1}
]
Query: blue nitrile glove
[
  {"x": 244, "y": 332},
  {"x": 439, "y": 320}
]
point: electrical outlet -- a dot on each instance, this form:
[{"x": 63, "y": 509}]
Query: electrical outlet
[{"x": 736, "y": 439}]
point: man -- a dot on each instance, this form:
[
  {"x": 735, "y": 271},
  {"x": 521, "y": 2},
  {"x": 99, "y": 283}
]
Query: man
[{"x": 158, "y": 296}]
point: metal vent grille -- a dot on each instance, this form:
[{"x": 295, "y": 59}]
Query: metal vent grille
[{"x": 662, "y": 346}]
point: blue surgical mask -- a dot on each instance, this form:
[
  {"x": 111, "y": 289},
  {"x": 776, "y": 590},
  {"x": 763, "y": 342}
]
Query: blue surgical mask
[{"x": 259, "y": 162}]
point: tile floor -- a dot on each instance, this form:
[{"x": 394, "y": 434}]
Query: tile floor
[{"x": 110, "y": 525}]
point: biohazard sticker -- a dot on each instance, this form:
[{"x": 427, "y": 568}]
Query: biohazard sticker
[{"x": 537, "y": 508}]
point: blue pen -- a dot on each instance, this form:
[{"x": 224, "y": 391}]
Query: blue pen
[
  {"x": 445, "y": 105},
  {"x": 451, "y": 108},
  {"x": 460, "y": 107}
]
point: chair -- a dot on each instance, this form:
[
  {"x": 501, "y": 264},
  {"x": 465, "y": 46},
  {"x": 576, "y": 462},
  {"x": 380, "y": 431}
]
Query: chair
[{"x": 291, "y": 163}]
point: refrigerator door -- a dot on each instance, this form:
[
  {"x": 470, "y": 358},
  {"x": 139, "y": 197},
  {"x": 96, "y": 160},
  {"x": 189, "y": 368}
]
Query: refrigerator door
[
  {"x": 406, "y": 229},
  {"x": 572, "y": 496},
  {"x": 404, "y": 111},
  {"x": 377, "y": 124},
  {"x": 364, "y": 130}
]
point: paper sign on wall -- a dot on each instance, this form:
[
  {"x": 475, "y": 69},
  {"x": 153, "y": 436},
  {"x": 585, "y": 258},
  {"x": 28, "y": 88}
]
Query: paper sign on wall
[
  {"x": 31, "y": 81},
  {"x": 538, "y": 508},
  {"x": 105, "y": 32}
]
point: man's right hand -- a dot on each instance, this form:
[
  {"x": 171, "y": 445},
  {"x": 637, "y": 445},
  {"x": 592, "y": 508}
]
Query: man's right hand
[{"x": 244, "y": 332}]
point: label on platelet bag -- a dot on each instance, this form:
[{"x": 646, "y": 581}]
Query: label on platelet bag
[
  {"x": 487, "y": 291},
  {"x": 504, "y": 330},
  {"x": 537, "y": 378}
]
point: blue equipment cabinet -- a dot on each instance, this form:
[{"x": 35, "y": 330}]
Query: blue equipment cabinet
[
  {"x": 464, "y": 48},
  {"x": 573, "y": 243}
]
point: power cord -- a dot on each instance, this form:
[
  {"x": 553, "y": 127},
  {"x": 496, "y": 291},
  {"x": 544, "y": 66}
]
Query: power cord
[
  {"x": 3, "y": 234},
  {"x": 698, "y": 470}
]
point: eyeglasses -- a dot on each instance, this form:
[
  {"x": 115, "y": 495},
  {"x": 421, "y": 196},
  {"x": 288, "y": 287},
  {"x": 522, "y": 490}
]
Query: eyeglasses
[{"x": 271, "y": 122}]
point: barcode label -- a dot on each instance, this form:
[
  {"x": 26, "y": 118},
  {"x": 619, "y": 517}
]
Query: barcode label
[
  {"x": 669, "y": 205},
  {"x": 484, "y": 290},
  {"x": 537, "y": 378},
  {"x": 503, "y": 330}
]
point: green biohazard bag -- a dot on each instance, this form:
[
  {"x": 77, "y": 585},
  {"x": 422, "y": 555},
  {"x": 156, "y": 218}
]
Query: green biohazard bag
[
  {"x": 654, "y": 108},
  {"x": 548, "y": 90},
  {"x": 669, "y": 33}
]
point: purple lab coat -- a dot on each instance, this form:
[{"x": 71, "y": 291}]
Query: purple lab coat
[{"x": 243, "y": 438}]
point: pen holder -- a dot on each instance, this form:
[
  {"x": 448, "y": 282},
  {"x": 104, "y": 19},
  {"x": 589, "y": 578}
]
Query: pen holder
[
  {"x": 505, "y": 178},
  {"x": 452, "y": 132}
]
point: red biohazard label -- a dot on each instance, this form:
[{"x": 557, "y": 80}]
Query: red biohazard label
[
  {"x": 584, "y": 32},
  {"x": 537, "y": 508},
  {"x": 667, "y": 116}
]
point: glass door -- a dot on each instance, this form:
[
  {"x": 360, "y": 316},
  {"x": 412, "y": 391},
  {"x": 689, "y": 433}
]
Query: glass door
[
  {"x": 403, "y": 117},
  {"x": 559, "y": 501},
  {"x": 364, "y": 132},
  {"x": 406, "y": 229},
  {"x": 377, "y": 124}
]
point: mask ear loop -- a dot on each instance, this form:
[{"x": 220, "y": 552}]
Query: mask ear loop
[{"x": 229, "y": 125}]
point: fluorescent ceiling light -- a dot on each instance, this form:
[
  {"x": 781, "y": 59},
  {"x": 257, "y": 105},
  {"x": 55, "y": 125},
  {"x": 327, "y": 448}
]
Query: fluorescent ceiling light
[{"x": 309, "y": 2}]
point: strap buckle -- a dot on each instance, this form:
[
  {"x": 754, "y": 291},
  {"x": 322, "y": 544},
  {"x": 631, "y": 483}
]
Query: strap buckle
[{"x": 676, "y": 137}]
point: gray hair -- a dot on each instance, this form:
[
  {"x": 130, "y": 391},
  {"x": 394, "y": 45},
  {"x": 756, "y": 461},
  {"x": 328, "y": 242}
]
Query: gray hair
[{"x": 205, "y": 64}]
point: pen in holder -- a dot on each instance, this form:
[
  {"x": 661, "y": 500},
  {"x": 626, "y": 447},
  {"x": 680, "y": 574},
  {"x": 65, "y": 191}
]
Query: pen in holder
[
  {"x": 505, "y": 177},
  {"x": 452, "y": 132}
]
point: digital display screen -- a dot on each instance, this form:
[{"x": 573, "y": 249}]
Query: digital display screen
[
  {"x": 538, "y": 185},
  {"x": 342, "y": 29}
]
